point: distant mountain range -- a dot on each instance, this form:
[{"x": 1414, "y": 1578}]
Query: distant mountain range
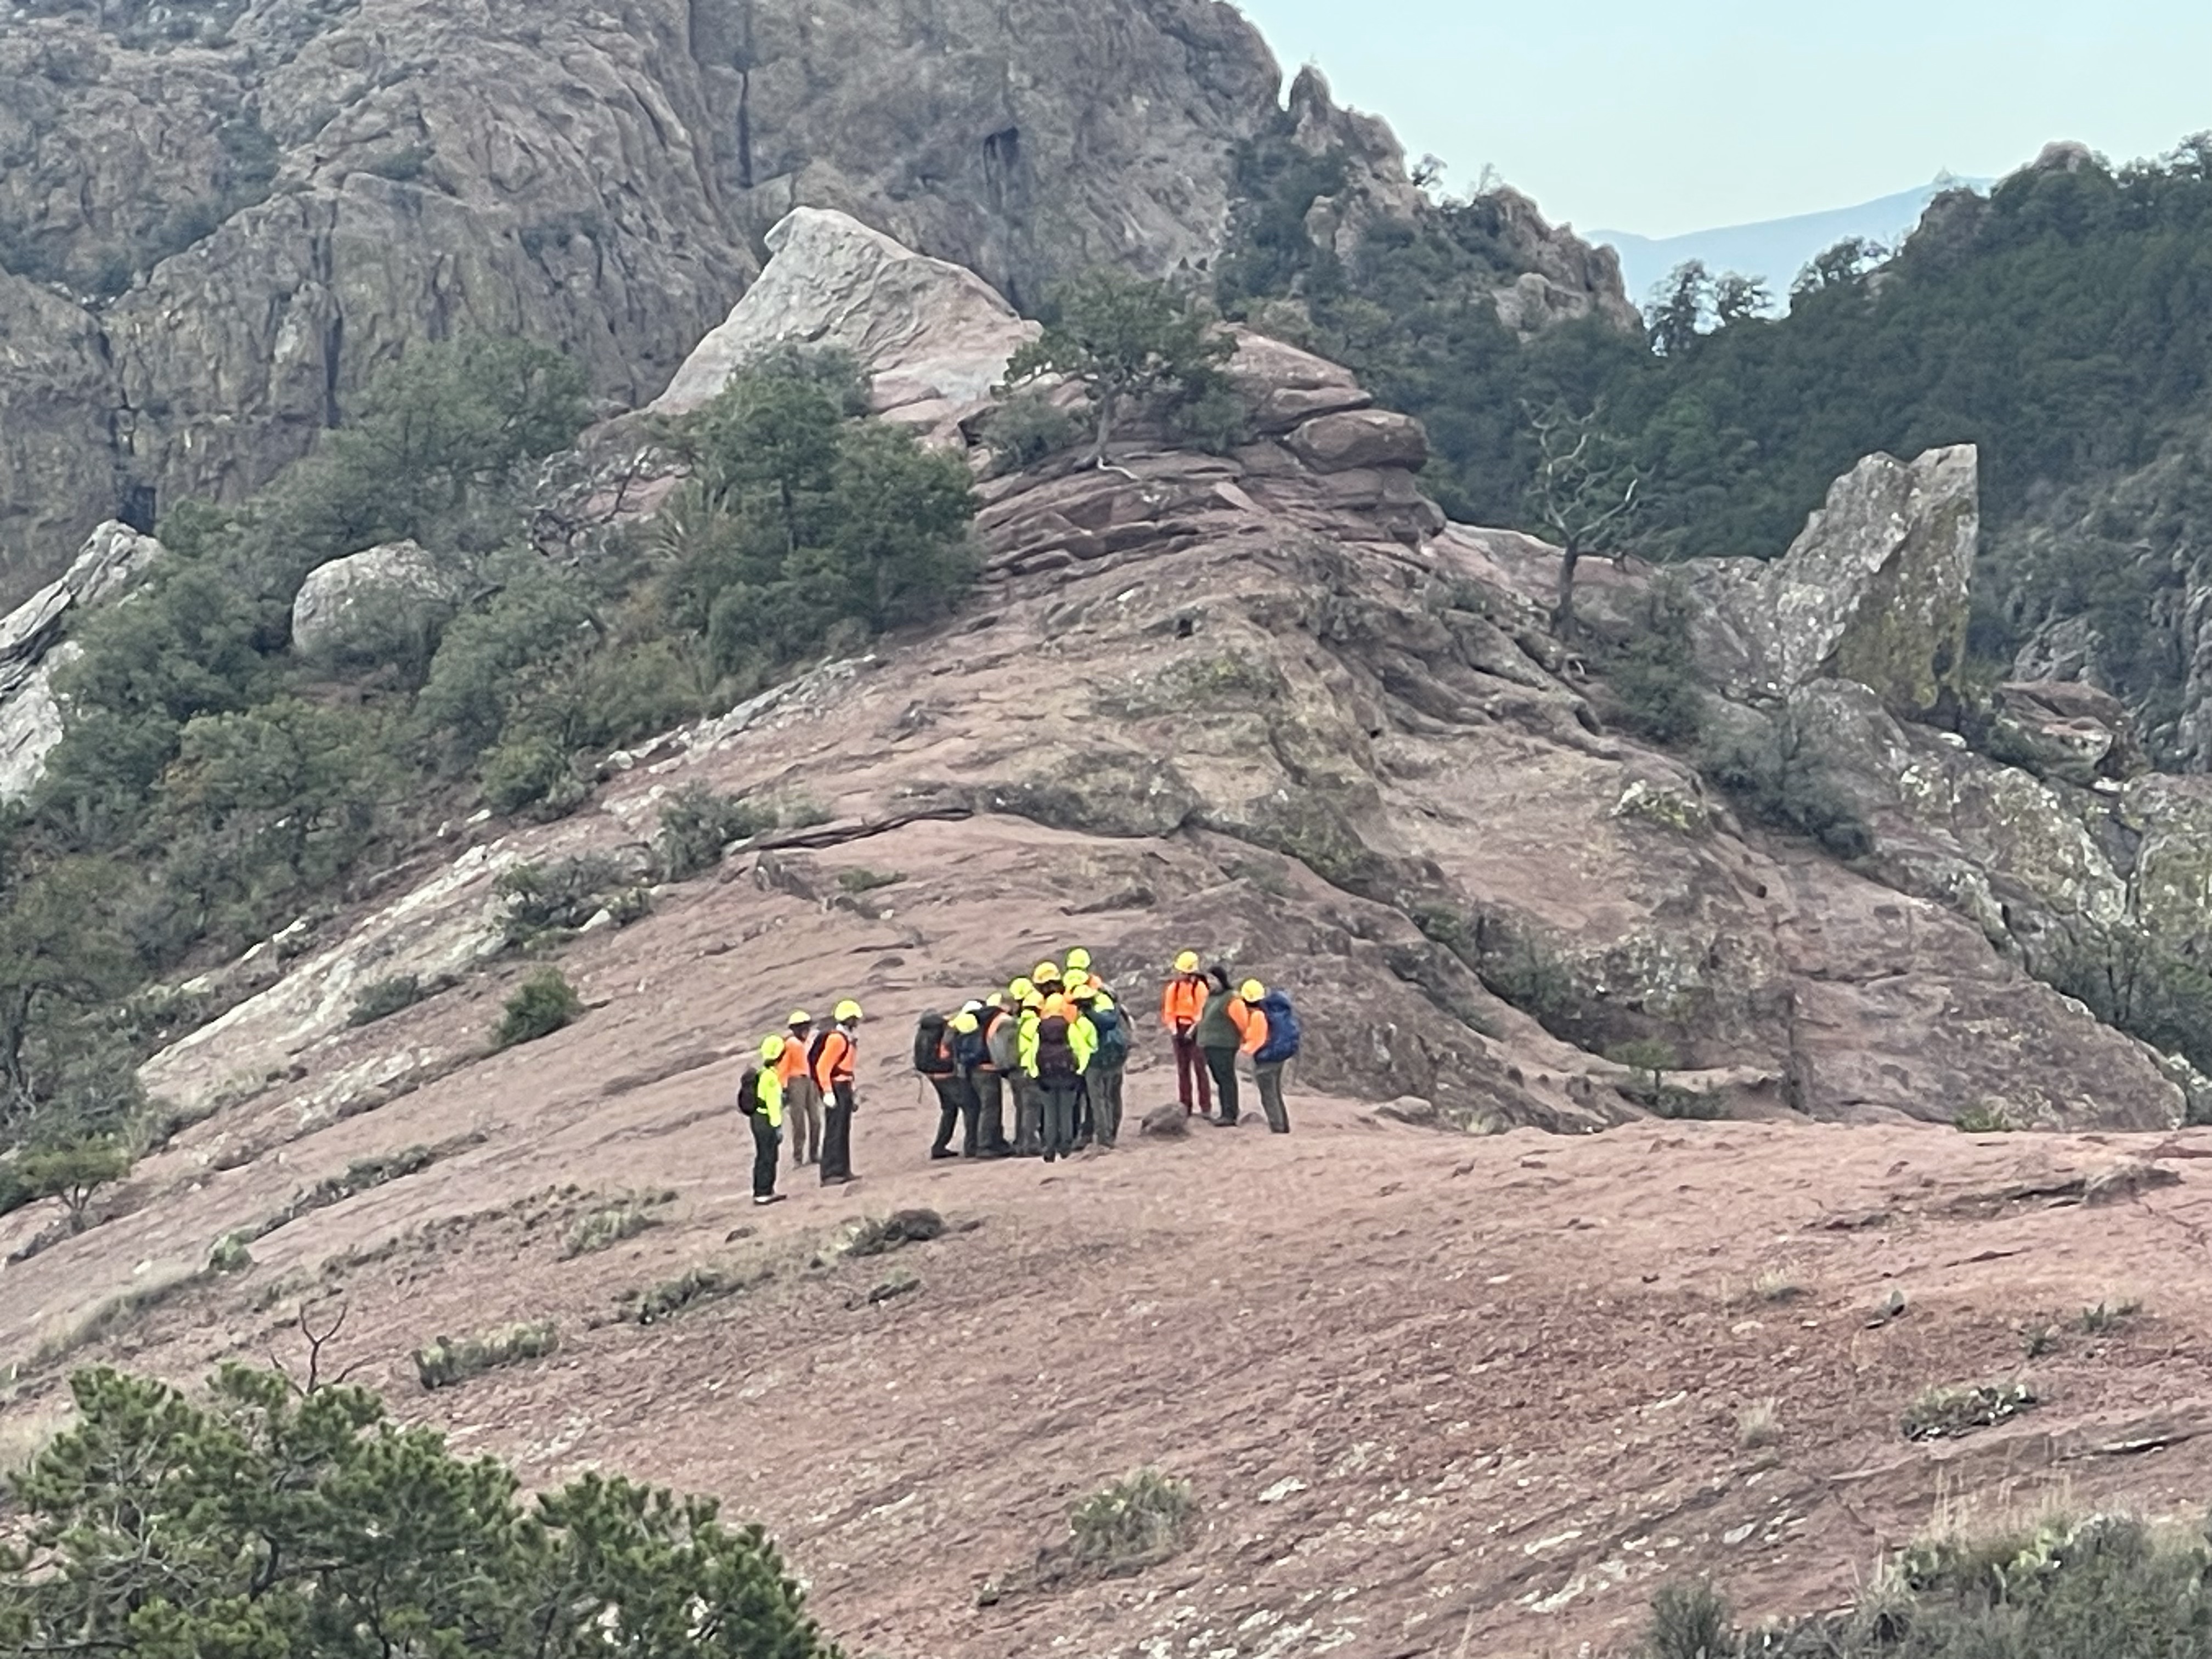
[{"x": 1777, "y": 249}]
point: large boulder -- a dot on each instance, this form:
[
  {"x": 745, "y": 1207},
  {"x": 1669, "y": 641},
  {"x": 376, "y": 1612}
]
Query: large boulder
[
  {"x": 1874, "y": 590},
  {"x": 358, "y": 603},
  {"x": 1361, "y": 438},
  {"x": 934, "y": 337}
]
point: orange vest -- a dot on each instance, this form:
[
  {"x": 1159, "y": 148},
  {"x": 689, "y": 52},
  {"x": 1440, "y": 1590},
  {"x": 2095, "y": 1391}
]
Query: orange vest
[
  {"x": 839, "y": 1053},
  {"x": 1183, "y": 1001},
  {"x": 791, "y": 1064}
]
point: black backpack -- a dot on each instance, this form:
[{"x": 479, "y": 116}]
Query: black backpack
[
  {"x": 1055, "y": 1054},
  {"x": 748, "y": 1091},
  {"x": 929, "y": 1056}
]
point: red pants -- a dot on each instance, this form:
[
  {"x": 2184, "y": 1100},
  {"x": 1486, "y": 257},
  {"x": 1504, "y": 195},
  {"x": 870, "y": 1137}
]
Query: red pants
[{"x": 1190, "y": 1064}]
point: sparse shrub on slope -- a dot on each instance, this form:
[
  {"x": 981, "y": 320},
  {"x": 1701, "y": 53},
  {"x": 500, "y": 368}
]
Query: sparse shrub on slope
[
  {"x": 1132, "y": 1524},
  {"x": 541, "y": 1005}
]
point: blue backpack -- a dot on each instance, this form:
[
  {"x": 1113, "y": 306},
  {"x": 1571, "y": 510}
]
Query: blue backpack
[
  {"x": 1282, "y": 1033},
  {"x": 1113, "y": 1035}
]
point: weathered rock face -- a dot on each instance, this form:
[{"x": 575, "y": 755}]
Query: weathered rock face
[
  {"x": 346, "y": 604},
  {"x": 1874, "y": 591},
  {"x": 30, "y": 649},
  {"x": 935, "y": 336},
  {"x": 1280, "y": 727},
  {"x": 253, "y": 214}
]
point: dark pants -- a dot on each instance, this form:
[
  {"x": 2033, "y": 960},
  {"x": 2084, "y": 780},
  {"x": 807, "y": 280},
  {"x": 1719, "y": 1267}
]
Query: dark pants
[
  {"x": 1190, "y": 1073},
  {"x": 837, "y": 1136},
  {"x": 1269, "y": 1078},
  {"x": 1059, "y": 1094},
  {"x": 1106, "y": 1102},
  {"x": 1029, "y": 1115},
  {"x": 955, "y": 1101},
  {"x": 1222, "y": 1062},
  {"x": 990, "y": 1109},
  {"x": 767, "y": 1143}
]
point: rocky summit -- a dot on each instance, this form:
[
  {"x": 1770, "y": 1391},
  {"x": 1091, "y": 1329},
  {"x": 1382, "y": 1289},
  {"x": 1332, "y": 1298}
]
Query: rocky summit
[{"x": 218, "y": 219}]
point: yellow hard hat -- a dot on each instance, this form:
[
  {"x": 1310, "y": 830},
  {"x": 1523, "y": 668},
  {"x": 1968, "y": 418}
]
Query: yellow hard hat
[
  {"x": 1251, "y": 990},
  {"x": 772, "y": 1048},
  {"x": 1032, "y": 1001},
  {"x": 1186, "y": 962},
  {"x": 963, "y": 1023},
  {"x": 800, "y": 1017},
  {"x": 1078, "y": 961},
  {"x": 1020, "y": 990},
  {"x": 1046, "y": 972},
  {"x": 847, "y": 1010},
  {"x": 1082, "y": 991},
  {"x": 996, "y": 1000}
]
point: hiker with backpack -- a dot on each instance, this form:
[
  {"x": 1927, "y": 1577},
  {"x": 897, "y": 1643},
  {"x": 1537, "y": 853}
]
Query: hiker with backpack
[
  {"x": 760, "y": 1098},
  {"x": 1277, "y": 1047},
  {"x": 835, "y": 1059},
  {"x": 1029, "y": 1097},
  {"x": 1101, "y": 1080},
  {"x": 995, "y": 1074},
  {"x": 1056, "y": 1051},
  {"x": 935, "y": 1057}
]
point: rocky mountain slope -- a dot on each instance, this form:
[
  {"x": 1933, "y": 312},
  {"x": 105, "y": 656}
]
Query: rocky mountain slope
[{"x": 217, "y": 218}]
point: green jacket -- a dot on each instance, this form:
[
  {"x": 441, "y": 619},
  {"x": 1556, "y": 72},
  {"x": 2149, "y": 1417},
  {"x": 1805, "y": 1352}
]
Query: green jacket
[{"x": 1216, "y": 1028}]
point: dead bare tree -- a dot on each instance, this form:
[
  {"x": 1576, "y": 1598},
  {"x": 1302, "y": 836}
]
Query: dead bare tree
[
  {"x": 317, "y": 1341},
  {"x": 1584, "y": 495}
]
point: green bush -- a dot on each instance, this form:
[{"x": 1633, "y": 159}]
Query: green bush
[
  {"x": 557, "y": 898},
  {"x": 1655, "y": 678},
  {"x": 73, "y": 1175},
  {"x": 705, "y": 1283},
  {"x": 1134, "y": 1523},
  {"x": 696, "y": 825},
  {"x": 1938, "y": 1413},
  {"x": 1691, "y": 1622},
  {"x": 1027, "y": 428},
  {"x": 540, "y": 1007},
  {"x": 254, "y": 1517},
  {"x": 386, "y": 998},
  {"x": 607, "y": 1227},
  {"x": 445, "y": 1361}
]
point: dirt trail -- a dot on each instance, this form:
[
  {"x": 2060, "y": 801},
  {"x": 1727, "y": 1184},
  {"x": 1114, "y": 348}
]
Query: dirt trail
[{"x": 1423, "y": 1385}]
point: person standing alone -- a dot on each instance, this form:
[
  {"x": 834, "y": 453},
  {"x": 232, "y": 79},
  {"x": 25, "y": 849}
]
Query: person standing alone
[
  {"x": 836, "y": 1061},
  {"x": 760, "y": 1097},
  {"x": 1181, "y": 1004}
]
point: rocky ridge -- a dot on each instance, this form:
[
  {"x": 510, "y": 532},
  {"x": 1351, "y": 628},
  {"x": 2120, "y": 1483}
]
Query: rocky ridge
[
  {"x": 1269, "y": 703},
  {"x": 222, "y": 218}
]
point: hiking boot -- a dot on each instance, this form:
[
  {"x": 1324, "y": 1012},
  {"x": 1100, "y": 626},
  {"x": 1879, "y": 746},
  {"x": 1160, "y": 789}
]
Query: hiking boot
[
  {"x": 770, "y": 1198},
  {"x": 937, "y": 1152}
]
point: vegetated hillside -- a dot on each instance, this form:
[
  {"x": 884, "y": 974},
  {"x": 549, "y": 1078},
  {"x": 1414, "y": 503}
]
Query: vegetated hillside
[
  {"x": 2058, "y": 325},
  {"x": 1258, "y": 698},
  {"x": 219, "y": 220}
]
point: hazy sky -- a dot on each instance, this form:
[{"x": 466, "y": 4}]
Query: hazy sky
[{"x": 1618, "y": 113}]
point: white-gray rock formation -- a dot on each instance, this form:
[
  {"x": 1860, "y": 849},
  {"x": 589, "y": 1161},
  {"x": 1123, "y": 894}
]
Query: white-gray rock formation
[
  {"x": 1874, "y": 590},
  {"x": 935, "y": 336},
  {"x": 344, "y": 602},
  {"x": 113, "y": 557}
]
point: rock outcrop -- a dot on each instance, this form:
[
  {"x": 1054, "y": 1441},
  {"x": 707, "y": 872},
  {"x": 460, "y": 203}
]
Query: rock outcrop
[
  {"x": 331, "y": 184},
  {"x": 355, "y": 602},
  {"x": 933, "y": 337},
  {"x": 1296, "y": 715},
  {"x": 31, "y": 648},
  {"x": 1874, "y": 591}
]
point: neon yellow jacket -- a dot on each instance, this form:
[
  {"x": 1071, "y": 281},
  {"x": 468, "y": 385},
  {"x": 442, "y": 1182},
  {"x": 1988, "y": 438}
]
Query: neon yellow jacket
[
  {"x": 1082, "y": 1037},
  {"x": 769, "y": 1091}
]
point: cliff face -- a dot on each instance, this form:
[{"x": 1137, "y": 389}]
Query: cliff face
[{"x": 226, "y": 215}]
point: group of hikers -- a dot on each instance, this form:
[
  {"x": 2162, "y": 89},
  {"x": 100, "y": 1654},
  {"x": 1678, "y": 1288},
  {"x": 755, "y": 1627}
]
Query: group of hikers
[{"x": 1055, "y": 1041}]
